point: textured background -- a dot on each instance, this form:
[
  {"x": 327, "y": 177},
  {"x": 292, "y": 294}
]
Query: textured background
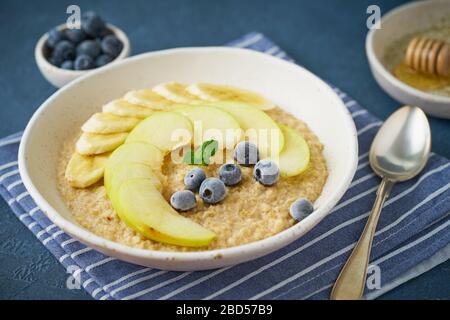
[{"x": 326, "y": 36}]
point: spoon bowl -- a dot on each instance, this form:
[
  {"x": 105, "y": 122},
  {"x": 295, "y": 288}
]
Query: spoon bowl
[{"x": 401, "y": 147}]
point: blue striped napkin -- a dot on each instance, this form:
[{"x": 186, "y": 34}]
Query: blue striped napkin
[{"x": 413, "y": 234}]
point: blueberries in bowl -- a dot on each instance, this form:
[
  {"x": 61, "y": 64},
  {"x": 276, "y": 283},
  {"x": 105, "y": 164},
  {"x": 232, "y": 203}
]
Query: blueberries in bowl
[
  {"x": 84, "y": 62},
  {"x": 111, "y": 45},
  {"x": 64, "y": 50},
  {"x": 75, "y": 35},
  {"x": 55, "y": 36},
  {"x": 103, "y": 59},
  {"x": 92, "y": 24},
  {"x": 92, "y": 46},
  {"x": 67, "y": 65}
]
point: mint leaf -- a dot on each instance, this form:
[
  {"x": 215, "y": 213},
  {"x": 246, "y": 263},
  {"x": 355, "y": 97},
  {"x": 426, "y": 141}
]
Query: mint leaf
[
  {"x": 202, "y": 154},
  {"x": 189, "y": 157},
  {"x": 209, "y": 149}
]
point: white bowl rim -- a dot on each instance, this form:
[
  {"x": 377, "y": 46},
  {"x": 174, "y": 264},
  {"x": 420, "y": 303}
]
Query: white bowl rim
[
  {"x": 385, "y": 73},
  {"x": 277, "y": 241},
  {"x": 38, "y": 51}
]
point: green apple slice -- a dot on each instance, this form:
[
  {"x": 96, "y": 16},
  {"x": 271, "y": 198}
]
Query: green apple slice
[
  {"x": 257, "y": 125},
  {"x": 165, "y": 130},
  {"x": 137, "y": 152},
  {"x": 146, "y": 211},
  {"x": 212, "y": 123},
  {"x": 295, "y": 156}
]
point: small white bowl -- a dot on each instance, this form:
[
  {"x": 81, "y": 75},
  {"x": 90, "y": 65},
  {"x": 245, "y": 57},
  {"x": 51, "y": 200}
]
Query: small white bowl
[
  {"x": 293, "y": 88},
  {"x": 60, "y": 77},
  {"x": 396, "y": 24}
]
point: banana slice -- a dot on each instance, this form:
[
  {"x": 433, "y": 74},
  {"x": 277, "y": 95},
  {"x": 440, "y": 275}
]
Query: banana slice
[
  {"x": 94, "y": 143},
  {"x": 83, "y": 171},
  {"x": 147, "y": 98},
  {"x": 212, "y": 92},
  {"x": 125, "y": 109},
  {"x": 109, "y": 123},
  {"x": 176, "y": 92}
]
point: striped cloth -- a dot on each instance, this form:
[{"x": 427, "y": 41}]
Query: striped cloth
[{"x": 413, "y": 234}]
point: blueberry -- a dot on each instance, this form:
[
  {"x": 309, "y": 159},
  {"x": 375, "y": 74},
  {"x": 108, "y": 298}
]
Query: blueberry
[
  {"x": 230, "y": 174},
  {"x": 55, "y": 36},
  {"x": 92, "y": 24},
  {"x": 103, "y": 59},
  {"x": 246, "y": 153},
  {"x": 56, "y": 61},
  {"x": 266, "y": 172},
  {"x": 75, "y": 35},
  {"x": 68, "y": 65},
  {"x": 89, "y": 47},
  {"x": 63, "y": 51},
  {"x": 183, "y": 200},
  {"x": 301, "y": 208},
  {"x": 112, "y": 45},
  {"x": 212, "y": 190},
  {"x": 84, "y": 62},
  {"x": 194, "y": 178}
]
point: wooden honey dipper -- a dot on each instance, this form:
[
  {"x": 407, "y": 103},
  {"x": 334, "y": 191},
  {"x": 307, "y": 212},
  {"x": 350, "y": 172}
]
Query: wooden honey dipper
[{"x": 429, "y": 56}]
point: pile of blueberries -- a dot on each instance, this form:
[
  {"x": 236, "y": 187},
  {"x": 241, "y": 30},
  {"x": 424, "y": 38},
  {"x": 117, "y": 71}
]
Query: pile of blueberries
[
  {"x": 213, "y": 190},
  {"x": 91, "y": 46}
]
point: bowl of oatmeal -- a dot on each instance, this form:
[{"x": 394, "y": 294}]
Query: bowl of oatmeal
[
  {"x": 386, "y": 49},
  {"x": 113, "y": 158}
]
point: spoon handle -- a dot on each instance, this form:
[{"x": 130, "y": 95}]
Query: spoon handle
[{"x": 352, "y": 279}]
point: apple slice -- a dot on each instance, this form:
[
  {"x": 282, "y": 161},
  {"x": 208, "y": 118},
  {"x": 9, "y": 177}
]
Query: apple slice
[
  {"x": 137, "y": 152},
  {"x": 165, "y": 130},
  {"x": 295, "y": 156},
  {"x": 147, "y": 98},
  {"x": 83, "y": 171},
  {"x": 212, "y": 123},
  {"x": 257, "y": 125},
  {"x": 115, "y": 175},
  {"x": 146, "y": 211},
  {"x": 125, "y": 109},
  {"x": 109, "y": 123},
  {"x": 93, "y": 143}
]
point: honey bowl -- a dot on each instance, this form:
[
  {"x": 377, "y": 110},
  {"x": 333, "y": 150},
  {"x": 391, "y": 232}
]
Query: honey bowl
[{"x": 386, "y": 49}]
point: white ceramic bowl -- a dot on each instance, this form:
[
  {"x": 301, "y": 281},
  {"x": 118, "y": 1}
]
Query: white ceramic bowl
[
  {"x": 60, "y": 77},
  {"x": 398, "y": 23},
  {"x": 293, "y": 88}
]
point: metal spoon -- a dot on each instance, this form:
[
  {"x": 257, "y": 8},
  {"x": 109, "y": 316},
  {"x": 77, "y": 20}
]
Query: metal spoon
[{"x": 399, "y": 152}]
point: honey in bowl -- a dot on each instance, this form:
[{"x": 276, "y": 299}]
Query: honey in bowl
[
  {"x": 396, "y": 56},
  {"x": 421, "y": 81}
]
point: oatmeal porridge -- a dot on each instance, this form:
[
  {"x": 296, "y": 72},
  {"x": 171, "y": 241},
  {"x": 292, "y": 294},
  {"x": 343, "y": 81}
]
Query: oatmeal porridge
[{"x": 249, "y": 211}]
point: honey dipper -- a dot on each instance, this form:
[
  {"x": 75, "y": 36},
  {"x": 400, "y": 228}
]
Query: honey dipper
[{"x": 429, "y": 56}]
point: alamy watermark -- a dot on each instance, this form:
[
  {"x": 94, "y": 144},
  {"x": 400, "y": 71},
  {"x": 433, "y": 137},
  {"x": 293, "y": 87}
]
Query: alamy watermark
[
  {"x": 374, "y": 20},
  {"x": 73, "y": 281},
  {"x": 373, "y": 281},
  {"x": 267, "y": 140},
  {"x": 74, "y": 19}
]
